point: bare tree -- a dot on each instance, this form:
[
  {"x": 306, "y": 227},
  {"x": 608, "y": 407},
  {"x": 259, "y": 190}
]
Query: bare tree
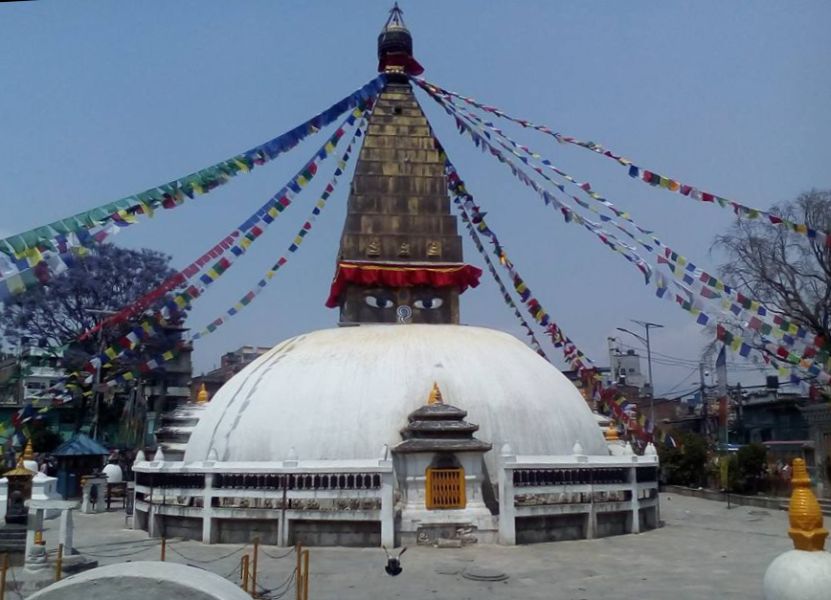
[{"x": 790, "y": 273}]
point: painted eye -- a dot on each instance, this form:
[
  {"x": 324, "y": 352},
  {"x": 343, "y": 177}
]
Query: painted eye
[
  {"x": 429, "y": 303},
  {"x": 378, "y": 302}
]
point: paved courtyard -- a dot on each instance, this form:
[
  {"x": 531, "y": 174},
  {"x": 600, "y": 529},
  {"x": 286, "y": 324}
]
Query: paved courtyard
[{"x": 703, "y": 551}]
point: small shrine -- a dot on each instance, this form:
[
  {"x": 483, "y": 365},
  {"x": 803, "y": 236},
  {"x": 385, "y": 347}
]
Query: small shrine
[
  {"x": 441, "y": 476},
  {"x": 19, "y": 488}
]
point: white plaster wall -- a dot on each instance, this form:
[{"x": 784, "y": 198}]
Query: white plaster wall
[
  {"x": 344, "y": 393},
  {"x": 143, "y": 580}
]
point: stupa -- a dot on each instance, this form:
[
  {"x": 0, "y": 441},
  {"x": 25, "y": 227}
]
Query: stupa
[{"x": 326, "y": 439}]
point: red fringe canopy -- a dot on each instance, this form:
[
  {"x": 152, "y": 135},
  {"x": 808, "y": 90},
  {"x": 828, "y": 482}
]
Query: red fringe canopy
[{"x": 396, "y": 276}]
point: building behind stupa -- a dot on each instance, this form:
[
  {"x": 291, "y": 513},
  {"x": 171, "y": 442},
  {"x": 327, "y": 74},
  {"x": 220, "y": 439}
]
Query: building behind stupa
[{"x": 399, "y": 426}]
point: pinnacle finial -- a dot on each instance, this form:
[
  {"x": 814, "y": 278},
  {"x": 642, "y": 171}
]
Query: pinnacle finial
[
  {"x": 28, "y": 452},
  {"x": 202, "y": 395},
  {"x": 611, "y": 434},
  {"x": 804, "y": 513},
  {"x": 435, "y": 395}
]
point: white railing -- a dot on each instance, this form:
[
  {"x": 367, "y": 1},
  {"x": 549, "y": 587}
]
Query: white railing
[
  {"x": 347, "y": 490},
  {"x": 550, "y": 486}
]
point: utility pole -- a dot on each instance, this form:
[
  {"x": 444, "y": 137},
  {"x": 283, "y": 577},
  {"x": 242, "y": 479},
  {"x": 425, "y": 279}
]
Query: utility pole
[
  {"x": 704, "y": 407},
  {"x": 646, "y": 325},
  {"x": 96, "y": 394}
]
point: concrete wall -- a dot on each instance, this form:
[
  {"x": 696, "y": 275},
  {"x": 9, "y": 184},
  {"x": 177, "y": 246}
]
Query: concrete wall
[
  {"x": 238, "y": 531},
  {"x": 335, "y": 533},
  {"x": 551, "y": 528}
]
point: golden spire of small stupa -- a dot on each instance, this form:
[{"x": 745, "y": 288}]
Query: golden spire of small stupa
[
  {"x": 611, "y": 433},
  {"x": 202, "y": 395},
  {"x": 435, "y": 395},
  {"x": 804, "y": 513},
  {"x": 28, "y": 452}
]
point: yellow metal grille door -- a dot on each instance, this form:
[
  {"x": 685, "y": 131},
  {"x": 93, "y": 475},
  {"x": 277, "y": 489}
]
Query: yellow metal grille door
[{"x": 445, "y": 488}]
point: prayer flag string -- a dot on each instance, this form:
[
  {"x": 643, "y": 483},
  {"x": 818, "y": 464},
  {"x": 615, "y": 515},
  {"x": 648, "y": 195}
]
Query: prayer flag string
[
  {"x": 472, "y": 214},
  {"x": 39, "y": 246},
  {"x": 650, "y": 176},
  {"x": 232, "y": 246},
  {"x": 249, "y": 297},
  {"x": 790, "y": 334}
]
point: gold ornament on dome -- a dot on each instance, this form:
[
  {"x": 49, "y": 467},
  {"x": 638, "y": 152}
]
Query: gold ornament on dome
[
  {"x": 611, "y": 434},
  {"x": 202, "y": 396},
  {"x": 804, "y": 513},
  {"x": 433, "y": 248},
  {"x": 435, "y": 395}
]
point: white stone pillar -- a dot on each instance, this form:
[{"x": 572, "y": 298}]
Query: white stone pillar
[
  {"x": 507, "y": 510},
  {"x": 67, "y": 530},
  {"x": 101, "y": 500},
  {"x": 4, "y": 499},
  {"x": 207, "y": 509},
  {"x": 86, "y": 501},
  {"x": 387, "y": 510},
  {"x": 634, "y": 501},
  {"x": 35, "y": 557}
]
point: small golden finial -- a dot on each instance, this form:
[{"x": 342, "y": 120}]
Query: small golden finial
[
  {"x": 804, "y": 513},
  {"x": 611, "y": 433},
  {"x": 435, "y": 395},
  {"x": 202, "y": 395},
  {"x": 28, "y": 452}
]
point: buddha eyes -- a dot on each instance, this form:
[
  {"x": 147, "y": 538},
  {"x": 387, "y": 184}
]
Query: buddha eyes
[
  {"x": 388, "y": 302},
  {"x": 429, "y": 303},
  {"x": 378, "y": 302}
]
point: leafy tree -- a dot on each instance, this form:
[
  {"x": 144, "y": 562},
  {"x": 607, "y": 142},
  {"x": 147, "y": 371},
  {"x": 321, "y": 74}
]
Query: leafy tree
[
  {"x": 688, "y": 463},
  {"x": 789, "y": 272},
  {"x": 107, "y": 280},
  {"x": 747, "y": 468},
  {"x": 56, "y": 314}
]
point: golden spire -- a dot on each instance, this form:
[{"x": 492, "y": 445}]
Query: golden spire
[
  {"x": 611, "y": 433},
  {"x": 202, "y": 396},
  {"x": 435, "y": 395},
  {"x": 28, "y": 453},
  {"x": 804, "y": 513}
]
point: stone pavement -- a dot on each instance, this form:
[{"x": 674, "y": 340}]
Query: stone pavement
[{"x": 704, "y": 551}]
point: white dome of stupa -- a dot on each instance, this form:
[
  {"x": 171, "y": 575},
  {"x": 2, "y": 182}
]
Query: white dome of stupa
[{"x": 343, "y": 393}]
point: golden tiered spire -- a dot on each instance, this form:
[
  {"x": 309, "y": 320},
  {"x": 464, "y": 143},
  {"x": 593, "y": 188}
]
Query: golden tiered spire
[
  {"x": 804, "y": 513},
  {"x": 611, "y": 433},
  {"x": 28, "y": 451},
  {"x": 435, "y": 395},
  {"x": 202, "y": 395}
]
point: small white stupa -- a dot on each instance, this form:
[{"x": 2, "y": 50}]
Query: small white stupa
[{"x": 805, "y": 572}]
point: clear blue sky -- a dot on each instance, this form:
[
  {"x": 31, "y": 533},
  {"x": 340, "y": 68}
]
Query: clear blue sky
[{"x": 103, "y": 99}]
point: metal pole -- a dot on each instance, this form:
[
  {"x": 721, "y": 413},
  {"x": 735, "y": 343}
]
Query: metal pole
[
  {"x": 298, "y": 583},
  {"x": 164, "y": 548},
  {"x": 59, "y": 563},
  {"x": 3, "y": 576},
  {"x": 254, "y": 568},
  {"x": 305, "y": 575},
  {"x": 244, "y": 572},
  {"x": 651, "y": 382}
]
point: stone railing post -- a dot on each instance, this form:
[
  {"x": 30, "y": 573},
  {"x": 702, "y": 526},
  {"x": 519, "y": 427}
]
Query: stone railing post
[
  {"x": 634, "y": 501},
  {"x": 387, "y": 509},
  {"x": 507, "y": 510},
  {"x": 4, "y": 499},
  {"x": 207, "y": 509}
]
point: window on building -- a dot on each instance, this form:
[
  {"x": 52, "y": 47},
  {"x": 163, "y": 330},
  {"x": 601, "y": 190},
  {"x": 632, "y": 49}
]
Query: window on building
[{"x": 445, "y": 488}]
